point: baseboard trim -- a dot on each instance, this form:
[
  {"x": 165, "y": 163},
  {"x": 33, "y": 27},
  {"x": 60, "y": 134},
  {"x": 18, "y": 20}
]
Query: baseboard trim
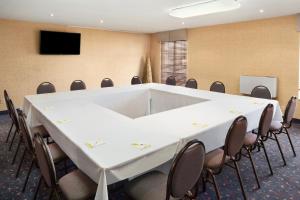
[
  {"x": 3, "y": 112},
  {"x": 297, "y": 121}
]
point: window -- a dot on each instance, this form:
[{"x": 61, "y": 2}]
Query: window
[{"x": 174, "y": 61}]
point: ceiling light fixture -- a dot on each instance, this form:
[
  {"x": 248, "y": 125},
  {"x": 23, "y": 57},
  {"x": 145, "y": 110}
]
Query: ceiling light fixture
[
  {"x": 204, "y": 7},
  {"x": 261, "y": 11},
  {"x": 182, "y": 23},
  {"x": 51, "y": 15},
  {"x": 101, "y": 21}
]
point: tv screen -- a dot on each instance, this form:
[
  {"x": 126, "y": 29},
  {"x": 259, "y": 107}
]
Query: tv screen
[{"x": 59, "y": 43}]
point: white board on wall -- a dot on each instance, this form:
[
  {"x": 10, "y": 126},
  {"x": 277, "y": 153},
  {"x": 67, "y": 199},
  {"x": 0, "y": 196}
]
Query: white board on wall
[{"x": 247, "y": 83}]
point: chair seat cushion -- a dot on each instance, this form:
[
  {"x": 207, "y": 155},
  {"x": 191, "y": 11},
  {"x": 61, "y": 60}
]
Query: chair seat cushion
[
  {"x": 77, "y": 186},
  {"x": 150, "y": 186},
  {"x": 56, "y": 153},
  {"x": 213, "y": 159},
  {"x": 275, "y": 125},
  {"x": 250, "y": 139},
  {"x": 41, "y": 130}
]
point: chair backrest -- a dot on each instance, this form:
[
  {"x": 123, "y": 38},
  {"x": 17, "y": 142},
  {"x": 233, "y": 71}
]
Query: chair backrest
[
  {"x": 265, "y": 120},
  {"x": 261, "y": 91},
  {"x": 78, "y": 85},
  {"x": 186, "y": 169},
  {"x": 107, "y": 82},
  {"x": 25, "y": 131},
  {"x": 235, "y": 137},
  {"x": 171, "y": 80},
  {"x": 290, "y": 111},
  {"x": 45, "y": 161},
  {"x": 136, "y": 80},
  {"x": 191, "y": 83},
  {"x": 45, "y": 87},
  {"x": 6, "y": 98},
  {"x": 217, "y": 86},
  {"x": 14, "y": 115}
]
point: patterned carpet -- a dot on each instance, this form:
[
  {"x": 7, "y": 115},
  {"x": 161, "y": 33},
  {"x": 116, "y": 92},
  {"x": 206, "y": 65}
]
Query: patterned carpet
[{"x": 284, "y": 184}]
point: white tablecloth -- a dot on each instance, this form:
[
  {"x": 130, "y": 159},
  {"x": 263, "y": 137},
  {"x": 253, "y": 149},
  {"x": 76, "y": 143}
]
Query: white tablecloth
[{"x": 150, "y": 114}]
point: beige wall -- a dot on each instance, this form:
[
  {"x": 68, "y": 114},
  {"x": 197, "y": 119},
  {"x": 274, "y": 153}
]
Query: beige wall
[
  {"x": 155, "y": 56},
  {"x": 103, "y": 54},
  {"x": 224, "y": 52}
]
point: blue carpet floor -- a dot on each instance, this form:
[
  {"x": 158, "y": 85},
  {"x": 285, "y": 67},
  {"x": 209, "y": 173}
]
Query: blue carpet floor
[{"x": 284, "y": 184}]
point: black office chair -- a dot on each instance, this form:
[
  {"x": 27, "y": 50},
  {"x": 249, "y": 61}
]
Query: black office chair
[
  {"x": 74, "y": 185},
  {"x": 258, "y": 139},
  {"x": 7, "y": 99},
  {"x": 282, "y": 127},
  {"x": 136, "y": 80},
  {"x": 261, "y": 91},
  {"x": 171, "y": 80},
  {"x": 216, "y": 160},
  {"x": 191, "y": 83},
  {"x": 16, "y": 124},
  {"x": 45, "y": 87},
  {"x": 57, "y": 154},
  {"x": 217, "y": 86},
  {"x": 107, "y": 82},
  {"x": 78, "y": 85},
  {"x": 182, "y": 180}
]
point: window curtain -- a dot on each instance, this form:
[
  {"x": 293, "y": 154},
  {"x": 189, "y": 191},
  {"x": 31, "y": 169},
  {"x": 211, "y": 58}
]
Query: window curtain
[{"x": 173, "y": 55}]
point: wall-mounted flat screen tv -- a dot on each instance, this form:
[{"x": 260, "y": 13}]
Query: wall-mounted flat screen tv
[{"x": 59, "y": 43}]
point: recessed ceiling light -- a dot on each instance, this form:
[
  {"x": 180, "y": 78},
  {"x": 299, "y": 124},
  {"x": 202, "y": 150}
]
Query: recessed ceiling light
[
  {"x": 182, "y": 23},
  {"x": 261, "y": 11},
  {"x": 204, "y": 7},
  {"x": 101, "y": 21},
  {"x": 51, "y": 14}
]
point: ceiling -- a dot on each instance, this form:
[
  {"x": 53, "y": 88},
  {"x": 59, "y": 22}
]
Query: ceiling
[{"x": 146, "y": 16}]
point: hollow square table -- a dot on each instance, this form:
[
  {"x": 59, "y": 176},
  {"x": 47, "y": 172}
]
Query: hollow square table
[{"x": 112, "y": 134}]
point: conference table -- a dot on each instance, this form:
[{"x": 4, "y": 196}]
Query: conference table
[{"x": 112, "y": 134}]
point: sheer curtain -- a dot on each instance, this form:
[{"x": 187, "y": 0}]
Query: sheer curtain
[{"x": 174, "y": 61}]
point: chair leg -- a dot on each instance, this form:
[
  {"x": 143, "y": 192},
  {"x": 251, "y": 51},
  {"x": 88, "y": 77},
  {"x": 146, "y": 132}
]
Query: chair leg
[
  {"x": 27, "y": 176},
  {"x": 258, "y": 148},
  {"x": 195, "y": 190},
  {"x": 215, "y": 186},
  {"x": 37, "y": 188},
  {"x": 65, "y": 166},
  {"x": 9, "y": 132},
  {"x": 15, "y": 155},
  {"x": 253, "y": 168},
  {"x": 203, "y": 184},
  {"x": 51, "y": 194},
  {"x": 12, "y": 141},
  {"x": 56, "y": 194},
  {"x": 279, "y": 147},
  {"x": 20, "y": 164},
  {"x": 240, "y": 179},
  {"x": 267, "y": 157},
  {"x": 288, "y": 134}
]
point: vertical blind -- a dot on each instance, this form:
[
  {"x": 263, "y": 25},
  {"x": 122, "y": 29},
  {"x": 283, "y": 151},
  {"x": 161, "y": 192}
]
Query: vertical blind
[{"x": 174, "y": 61}]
